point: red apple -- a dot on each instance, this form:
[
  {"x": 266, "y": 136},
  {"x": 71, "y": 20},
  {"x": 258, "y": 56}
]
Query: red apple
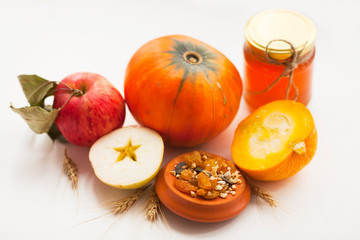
[{"x": 95, "y": 109}]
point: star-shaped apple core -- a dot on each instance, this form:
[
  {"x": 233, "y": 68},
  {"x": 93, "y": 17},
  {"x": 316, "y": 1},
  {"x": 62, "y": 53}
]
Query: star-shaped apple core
[{"x": 127, "y": 151}]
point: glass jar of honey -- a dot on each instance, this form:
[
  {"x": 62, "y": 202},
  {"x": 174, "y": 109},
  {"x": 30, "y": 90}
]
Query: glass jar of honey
[{"x": 279, "y": 51}]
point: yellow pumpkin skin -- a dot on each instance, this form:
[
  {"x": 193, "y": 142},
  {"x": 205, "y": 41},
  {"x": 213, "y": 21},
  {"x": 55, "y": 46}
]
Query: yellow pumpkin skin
[
  {"x": 275, "y": 141},
  {"x": 183, "y": 88}
]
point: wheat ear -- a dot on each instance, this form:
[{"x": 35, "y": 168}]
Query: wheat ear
[
  {"x": 153, "y": 206},
  {"x": 121, "y": 206},
  {"x": 262, "y": 194},
  {"x": 71, "y": 170}
]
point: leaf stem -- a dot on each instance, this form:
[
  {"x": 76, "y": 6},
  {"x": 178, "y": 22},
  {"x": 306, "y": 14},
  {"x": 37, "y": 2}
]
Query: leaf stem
[
  {"x": 64, "y": 84},
  {"x": 75, "y": 92},
  {"x": 64, "y": 89},
  {"x": 41, "y": 86}
]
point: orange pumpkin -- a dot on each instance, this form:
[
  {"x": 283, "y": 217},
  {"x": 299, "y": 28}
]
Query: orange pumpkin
[{"x": 183, "y": 88}]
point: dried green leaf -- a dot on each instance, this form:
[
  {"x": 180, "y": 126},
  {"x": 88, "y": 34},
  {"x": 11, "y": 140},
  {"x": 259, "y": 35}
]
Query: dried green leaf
[
  {"x": 37, "y": 118},
  {"x": 36, "y": 89},
  {"x": 54, "y": 134}
]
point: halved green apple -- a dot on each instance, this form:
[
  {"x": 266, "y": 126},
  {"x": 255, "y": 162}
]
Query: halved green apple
[{"x": 127, "y": 158}]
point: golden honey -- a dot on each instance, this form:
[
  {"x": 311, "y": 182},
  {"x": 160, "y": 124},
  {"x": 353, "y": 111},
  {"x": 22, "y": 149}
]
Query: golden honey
[{"x": 279, "y": 51}]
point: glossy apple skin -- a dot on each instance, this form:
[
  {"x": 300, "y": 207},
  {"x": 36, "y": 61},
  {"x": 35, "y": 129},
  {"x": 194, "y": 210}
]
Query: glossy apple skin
[{"x": 87, "y": 117}]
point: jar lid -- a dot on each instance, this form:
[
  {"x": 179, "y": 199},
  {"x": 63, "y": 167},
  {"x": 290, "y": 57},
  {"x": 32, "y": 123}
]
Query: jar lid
[{"x": 268, "y": 28}]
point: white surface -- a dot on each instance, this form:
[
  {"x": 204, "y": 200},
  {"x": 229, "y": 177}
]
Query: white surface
[{"x": 57, "y": 38}]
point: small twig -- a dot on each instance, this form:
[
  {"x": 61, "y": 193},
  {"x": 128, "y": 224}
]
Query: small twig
[
  {"x": 65, "y": 85},
  {"x": 71, "y": 170},
  {"x": 39, "y": 87},
  {"x": 75, "y": 92},
  {"x": 63, "y": 89}
]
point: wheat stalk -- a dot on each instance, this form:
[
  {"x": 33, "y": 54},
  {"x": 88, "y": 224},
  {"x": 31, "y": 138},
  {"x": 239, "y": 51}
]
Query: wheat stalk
[
  {"x": 71, "y": 170},
  {"x": 121, "y": 206},
  {"x": 153, "y": 206},
  {"x": 261, "y": 193}
]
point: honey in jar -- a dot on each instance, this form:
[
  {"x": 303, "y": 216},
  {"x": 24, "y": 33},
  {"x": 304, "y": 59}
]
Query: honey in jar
[{"x": 279, "y": 51}]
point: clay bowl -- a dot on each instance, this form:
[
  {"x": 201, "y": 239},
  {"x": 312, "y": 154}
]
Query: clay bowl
[{"x": 197, "y": 208}]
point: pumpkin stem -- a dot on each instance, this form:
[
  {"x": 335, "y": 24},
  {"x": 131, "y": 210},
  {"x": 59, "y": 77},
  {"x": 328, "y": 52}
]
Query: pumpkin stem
[{"x": 192, "y": 57}]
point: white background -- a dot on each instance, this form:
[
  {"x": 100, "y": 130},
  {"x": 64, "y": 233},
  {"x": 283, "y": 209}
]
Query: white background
[{"x": 57, "y": 38}]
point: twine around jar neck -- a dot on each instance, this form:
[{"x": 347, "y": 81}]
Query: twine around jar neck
[{"x": 290, "y": 65}]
